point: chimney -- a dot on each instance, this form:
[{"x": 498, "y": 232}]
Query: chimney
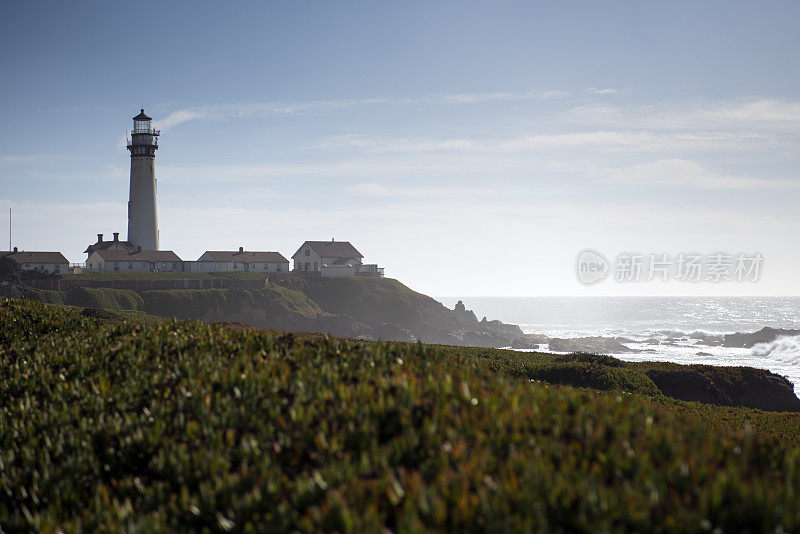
[
  {"x": 99, "y": 238},
  {"x": 241, "y": 249},
  {"x": 116, "y": 237}
]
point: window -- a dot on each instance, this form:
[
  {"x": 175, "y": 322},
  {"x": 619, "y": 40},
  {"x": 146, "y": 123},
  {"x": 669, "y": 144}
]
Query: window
[
  {"x": 116, "y": 266},
  {"x": 278, "y": 269},
  {"x": 235, "y": 266},
  {"x": 174, "y": 266},
  {"x": 144, "y": 265},
  {"x": 130, "y": 266},
  {"x": 316, "y": 266},
  {"x": 308, "y": 252},
  {"x": 199, "y": 265},
  {"x": 99, "y": 264},
  {"x": 141, "y": 126},
  {"x": 307, "y": 264},
  {"x": 57, "y": 269}
]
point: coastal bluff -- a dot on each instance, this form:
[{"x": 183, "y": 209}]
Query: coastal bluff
[{"x": 372, "y": 309}]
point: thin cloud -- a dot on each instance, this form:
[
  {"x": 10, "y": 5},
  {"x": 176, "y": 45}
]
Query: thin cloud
[
  {"x": 765, "y": 110},
  {"x": 266, "y": 109},
  {"x": 688, "y": 174},
  {"x": 752, "y": 114},
  {"x": 631, "y": 141},
  {"x": 32, "y": 159},
  {"x": 277, "y": 173},
  {"x": 596, "y": 91},
  {"x": 179, "y": 117},
  {"x": 372, "y": 189},
  {"x": 18, "y": 160}
]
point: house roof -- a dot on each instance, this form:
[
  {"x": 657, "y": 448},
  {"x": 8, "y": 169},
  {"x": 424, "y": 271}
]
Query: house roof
[
  {"x": 246, "y": 256},
  {"x": 104, "y": 245},
  {"x": 36, "y": 257},
  {"x": 331, "y": 249},
  {"x": 151, "y": 256}
]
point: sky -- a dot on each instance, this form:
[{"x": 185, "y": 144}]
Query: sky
[{"x": 469, "y": 148}]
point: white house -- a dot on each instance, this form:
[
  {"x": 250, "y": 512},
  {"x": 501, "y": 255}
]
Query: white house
[
  {"x": 332, "y": 259},
  {"x": 137, "y": 261},
  {"x": 243, "y": 261},
  {"x": 312, "y": 255},
  {"x": 46, "y": 262},
  {"x": 114, "y": 244}
]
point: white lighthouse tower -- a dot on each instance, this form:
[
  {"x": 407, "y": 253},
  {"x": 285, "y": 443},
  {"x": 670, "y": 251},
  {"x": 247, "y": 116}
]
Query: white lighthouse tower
[{"x": 142, "y": 215}]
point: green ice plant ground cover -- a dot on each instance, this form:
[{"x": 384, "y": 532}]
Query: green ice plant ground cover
[{"x": 167, "y": 425}]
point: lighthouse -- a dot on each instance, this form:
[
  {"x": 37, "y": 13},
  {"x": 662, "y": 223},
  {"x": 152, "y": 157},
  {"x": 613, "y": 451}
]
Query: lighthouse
[{"x": 142, "y": 215}]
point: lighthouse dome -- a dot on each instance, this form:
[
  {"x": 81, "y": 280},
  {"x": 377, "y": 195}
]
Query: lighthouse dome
[{"x": 141, "y": 116}]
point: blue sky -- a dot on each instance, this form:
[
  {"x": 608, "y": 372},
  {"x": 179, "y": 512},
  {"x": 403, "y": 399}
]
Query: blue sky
[{"x": 470, "y": 148}]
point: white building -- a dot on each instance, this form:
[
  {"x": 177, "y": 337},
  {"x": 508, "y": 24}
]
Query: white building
[
  {"x": 114, "y": 244},
  {"x": 332, "y": 259},
  {"x": 242, "y": 261},
  {"x": 131, "y": 262},
  {"x": 46, "y": 262}
]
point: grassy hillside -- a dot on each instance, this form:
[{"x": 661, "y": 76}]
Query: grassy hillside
[
  {"x": 267, "y": 307},
  {"x": 184, "y": 303},
  {"x": 110, "y": 425},
  {"x": 383, "y": 299},
  {"x": 46, "y": 296},
  {"x": 726, "y": 386},
  {"x": 195, "y": 303},
  {"x": 112, "y": 276}
]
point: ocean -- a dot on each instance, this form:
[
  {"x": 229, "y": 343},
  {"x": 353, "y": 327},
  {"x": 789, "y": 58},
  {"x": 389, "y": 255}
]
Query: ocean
[{"x": 664, "y": 328}]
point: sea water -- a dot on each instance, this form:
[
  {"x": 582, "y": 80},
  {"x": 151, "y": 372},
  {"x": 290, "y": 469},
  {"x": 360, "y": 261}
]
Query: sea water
[{"x": 663, "y": 328}]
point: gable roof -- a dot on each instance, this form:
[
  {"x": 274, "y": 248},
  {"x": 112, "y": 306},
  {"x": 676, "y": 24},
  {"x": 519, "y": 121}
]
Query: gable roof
[
  {"x": 104, "y": 245},
  {"x": 36, "y": 257},
  {"x": 246, "y": 256},
  {"x": 331, "y": 249},
  {"x": 151, "y": 256}
]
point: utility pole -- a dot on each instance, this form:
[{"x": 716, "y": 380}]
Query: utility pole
[{"x": 9, "y": 229}]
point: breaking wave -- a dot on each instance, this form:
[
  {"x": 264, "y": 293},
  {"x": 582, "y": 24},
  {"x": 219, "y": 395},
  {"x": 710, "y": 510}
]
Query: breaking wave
[{"x": 784, "y": 350}]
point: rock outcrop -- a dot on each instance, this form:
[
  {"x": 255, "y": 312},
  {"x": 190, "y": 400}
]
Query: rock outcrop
[
  {"x": 765, "y": 335},
  {"x": 730, "y": 386},
  {"x": 386, "y": 309},
  {"x": 596, "y": 344}
]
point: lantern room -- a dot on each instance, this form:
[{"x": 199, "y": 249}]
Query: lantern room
[
  {"x": 141, "y": 123},
  {"x": 143, "y": 141}
]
